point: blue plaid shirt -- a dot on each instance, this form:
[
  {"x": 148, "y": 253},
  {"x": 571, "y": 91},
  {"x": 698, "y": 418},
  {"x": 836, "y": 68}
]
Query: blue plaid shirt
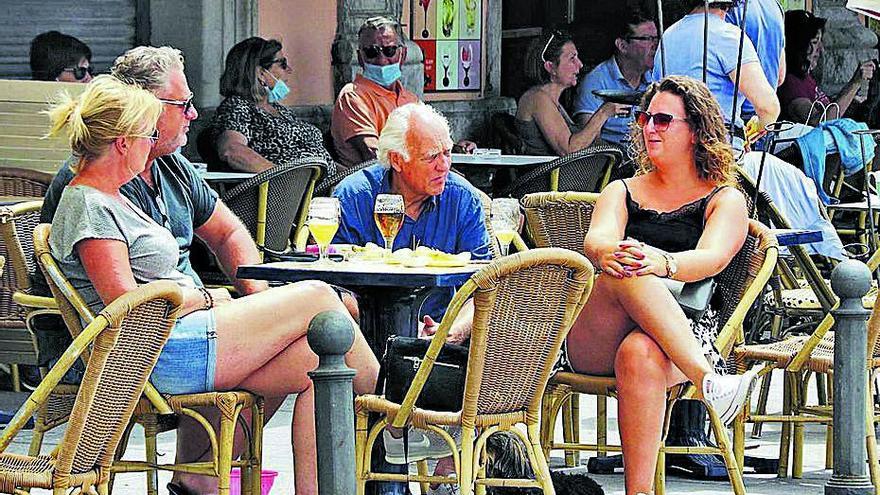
[{"x": 452, "y": 222}]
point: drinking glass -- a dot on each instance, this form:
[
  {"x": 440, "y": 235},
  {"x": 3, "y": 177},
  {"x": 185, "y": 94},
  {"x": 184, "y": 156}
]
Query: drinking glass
[
  {"x": 388, "y": 213},
  {"x": 323, "y": 222},
  {"x": 505, "y": 221}
]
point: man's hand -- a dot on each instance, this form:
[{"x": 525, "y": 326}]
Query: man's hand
[
  {"x": 220, "y": 296},
  {"x": 428, "y": 327},
  {"x": 464, "y": 146}
]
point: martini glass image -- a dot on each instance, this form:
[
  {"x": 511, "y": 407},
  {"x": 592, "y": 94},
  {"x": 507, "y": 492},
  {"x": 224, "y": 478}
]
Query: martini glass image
[
  {"x": 446, "y": 61},
  {"x": 448, "y": 17},
  {"x": 467, "y": 56},
  {"x": 425, "y": 4},
  {"x": 470, "y": 10}
]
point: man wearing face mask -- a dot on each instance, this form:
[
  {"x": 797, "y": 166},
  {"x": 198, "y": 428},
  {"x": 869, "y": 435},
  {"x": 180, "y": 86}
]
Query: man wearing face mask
[
  {"x": 364, "y": 104},
  {"x": 252, "y": 130}
]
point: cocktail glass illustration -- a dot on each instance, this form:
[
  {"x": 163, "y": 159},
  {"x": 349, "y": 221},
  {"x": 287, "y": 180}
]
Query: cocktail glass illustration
[
  {"x": 470, "y": 11},
  {"x": 425, "y": 4},
  {"x": 448, "y": 17},
  {"x": 446, "y": 61},
  {"x": 467, "y": 56}
]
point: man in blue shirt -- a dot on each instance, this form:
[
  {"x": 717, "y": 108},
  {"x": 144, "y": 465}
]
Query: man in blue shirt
[
  {"x": 683, "y": 45},
  {"x": 443, "y": 211},
  {"x": 634, "y": 46},
  {"x": 764, "y": 24}
]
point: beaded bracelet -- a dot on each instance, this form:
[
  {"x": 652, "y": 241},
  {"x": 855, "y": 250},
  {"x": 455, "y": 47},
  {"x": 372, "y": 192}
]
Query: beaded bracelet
[{"x": 209, "y": 299}]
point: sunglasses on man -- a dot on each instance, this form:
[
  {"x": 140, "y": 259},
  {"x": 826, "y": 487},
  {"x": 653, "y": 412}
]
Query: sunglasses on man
[
  {"x": 79, "y": 73},
  {"x": 187, "y": 104},
  {"x": 661, "y": 120},
  {"x": 373, "y": 51}
]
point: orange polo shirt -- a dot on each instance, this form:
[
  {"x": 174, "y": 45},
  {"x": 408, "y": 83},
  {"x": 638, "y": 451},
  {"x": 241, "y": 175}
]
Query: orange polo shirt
[{"x": 361, "y": 110}]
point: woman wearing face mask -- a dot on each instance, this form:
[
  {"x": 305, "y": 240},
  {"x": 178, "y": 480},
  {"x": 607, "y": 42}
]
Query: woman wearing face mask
[{"x": 253, "y": 130}]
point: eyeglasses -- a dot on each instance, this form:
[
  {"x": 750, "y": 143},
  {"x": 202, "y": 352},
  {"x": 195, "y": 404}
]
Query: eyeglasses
[
  {"x": 79, "y": 73},
  {"x": 661, "y": 120},
  {"x": 154, "y": 137},
  {"x": 187, "y": 104},
  {"x": 643, "y": 38},
  {"x": 282, "y": 62},
  {"x": 372, "y": 51}
]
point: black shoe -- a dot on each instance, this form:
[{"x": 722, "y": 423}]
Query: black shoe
[{"x": 178, "y": 489}]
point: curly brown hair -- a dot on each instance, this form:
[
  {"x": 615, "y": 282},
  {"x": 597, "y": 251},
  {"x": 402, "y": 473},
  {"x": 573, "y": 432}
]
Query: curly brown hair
[{"x": 712, "y": 152}]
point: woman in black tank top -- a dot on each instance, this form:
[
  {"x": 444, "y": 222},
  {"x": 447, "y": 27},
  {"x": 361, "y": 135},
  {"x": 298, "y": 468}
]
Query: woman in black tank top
[{"x": 677, "y": 218}]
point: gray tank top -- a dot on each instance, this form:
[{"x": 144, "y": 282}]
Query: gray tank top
[{"x": 533, "y": 139}]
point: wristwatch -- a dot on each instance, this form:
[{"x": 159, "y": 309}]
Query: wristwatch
[{"x": 671, "y": 265}]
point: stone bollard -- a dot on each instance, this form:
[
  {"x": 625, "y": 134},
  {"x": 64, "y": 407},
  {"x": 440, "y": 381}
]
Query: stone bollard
[
  {"x": 850, "y": 281},
  {"x": 330, "y": 336}
]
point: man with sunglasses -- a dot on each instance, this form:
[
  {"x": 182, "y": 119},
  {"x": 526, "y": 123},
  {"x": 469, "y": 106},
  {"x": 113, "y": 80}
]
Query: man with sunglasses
[
  {"x": 363, "y": 105},
  {"x": 626, "y": 70}
]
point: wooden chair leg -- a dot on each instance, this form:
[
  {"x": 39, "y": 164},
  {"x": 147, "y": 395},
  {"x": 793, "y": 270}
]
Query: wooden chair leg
[
  {"x": 151, "y": 431},
  {"x": 575, "y": 427},
  {"x": 798, "y": 401},
  {"x": 739, "y": 440},
  {"x": 602, "y": 425},
  {"x": 466, "y": 472},
  {"x": 660, "y": 472},
  {"x": 568, "y": 428},
  {"x": 734, "y": 472},
  {"x": 37, "y": 436},
  {"x": 553, "y": 401},
  {"x": 258, "y": 423},
  {"x": 224, "y": 454},
  {"x": 360, "y": 443},
  {"x": 761, "y": 407},
  {"x": 785, "y": 436}
]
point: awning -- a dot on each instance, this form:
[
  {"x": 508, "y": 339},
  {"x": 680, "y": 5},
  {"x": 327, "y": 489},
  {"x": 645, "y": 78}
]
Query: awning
[{"x": 870, "y": 8}]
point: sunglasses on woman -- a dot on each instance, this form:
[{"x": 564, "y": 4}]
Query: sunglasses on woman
[
  {"x": 661, "y": 120},
  {"x": 79, "y": 73},
  {"x": 280, "y": 61},
  {"x": 372, "y": 51}
]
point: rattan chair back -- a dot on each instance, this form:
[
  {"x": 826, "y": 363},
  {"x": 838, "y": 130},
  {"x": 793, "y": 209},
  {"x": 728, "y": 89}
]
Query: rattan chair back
[
  {"x": 273, "y": 204},
  {"x": 494, "y": 249},
  {"x": 326, "y": 185},
  {"x": 23, "y": 182},
  {"x": 17, "y": 223},
  {"x": 122, "y": 358},
  {"x": 587, "y": 170},
  {"x": 524, "y": 306},
  {"x": 559, "y": 219}
]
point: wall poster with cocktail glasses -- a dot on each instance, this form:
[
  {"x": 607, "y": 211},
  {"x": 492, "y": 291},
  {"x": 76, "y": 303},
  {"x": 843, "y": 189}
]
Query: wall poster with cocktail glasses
[{"x": 450, "y": 34}]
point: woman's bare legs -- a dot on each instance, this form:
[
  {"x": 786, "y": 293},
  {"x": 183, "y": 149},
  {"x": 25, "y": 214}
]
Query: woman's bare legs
[
  {"x": 634, "y": 329},
  {"x": 261, "y": 348}
]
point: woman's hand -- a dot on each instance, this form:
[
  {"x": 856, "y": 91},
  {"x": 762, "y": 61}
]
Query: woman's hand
[
  {"x": 623, "y": 259},
  {"x": 457, "y": 333},
  {"x": 637, "y": 259},
  {"x": 864, "y": 72}
]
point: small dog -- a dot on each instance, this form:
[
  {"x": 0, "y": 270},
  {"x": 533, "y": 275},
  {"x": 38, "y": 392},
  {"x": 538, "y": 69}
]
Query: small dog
[{"x": 507, "y": 458}]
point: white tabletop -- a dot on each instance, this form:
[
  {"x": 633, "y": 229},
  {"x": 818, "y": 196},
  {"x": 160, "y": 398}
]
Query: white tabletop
[
  {"x": 500, "y": 160},
  {"x": 857, "y": 205},
  {"x": 227, "y": 176}
]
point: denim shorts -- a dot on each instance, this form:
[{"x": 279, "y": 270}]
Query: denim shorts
[{"x": 189, "y": 359}]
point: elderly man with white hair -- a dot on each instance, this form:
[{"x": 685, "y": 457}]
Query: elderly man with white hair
[{"x": 443, "y": 211}]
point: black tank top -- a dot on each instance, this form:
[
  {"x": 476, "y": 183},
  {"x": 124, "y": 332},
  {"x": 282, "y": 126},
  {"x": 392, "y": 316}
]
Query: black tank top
[{"x": 674, "y": 231}]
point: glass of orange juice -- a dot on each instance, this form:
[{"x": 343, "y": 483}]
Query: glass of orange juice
[{"x": 323, "y": 222}]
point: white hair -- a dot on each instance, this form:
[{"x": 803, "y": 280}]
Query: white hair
[
  {"x": 393, "y": 135},
  {"x": 149, "y": 67}
]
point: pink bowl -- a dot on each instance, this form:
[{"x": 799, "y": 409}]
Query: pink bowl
[{"x": 266, "y": 481}]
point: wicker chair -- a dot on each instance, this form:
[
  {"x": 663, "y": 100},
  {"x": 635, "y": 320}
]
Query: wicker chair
[
  {"x": 17, "y": 224},
  {"x": 23, "y": 182},
  {"x": 125, "y": 339},
  {"x": 326, "y": 185},
  {"x": 800, "y": 357},
  {"x": 153, "y": 405},
  {"x": 524, "y": 306},
  {"x": 554, "y": 218},
  {"x": 284, "y": 192},
  {"x": 587, "y": 170}
]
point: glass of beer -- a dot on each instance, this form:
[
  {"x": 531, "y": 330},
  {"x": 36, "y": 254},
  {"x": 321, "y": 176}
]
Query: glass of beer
[
  {"x": 323, "y": 221},
  {"x": 505, "y": 221},
  {"x": 389, "y": 213}
]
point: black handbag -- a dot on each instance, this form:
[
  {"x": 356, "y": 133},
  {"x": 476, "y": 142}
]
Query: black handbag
[
  {"x": 693, "y": 297},
  {"x": 444, "y": 389}
]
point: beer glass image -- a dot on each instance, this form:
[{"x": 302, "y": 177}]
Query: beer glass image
[
  {"x": 470, "y": 12},
  {"x": 448, "y": 16},
  {"x": 388, "y": 213}
]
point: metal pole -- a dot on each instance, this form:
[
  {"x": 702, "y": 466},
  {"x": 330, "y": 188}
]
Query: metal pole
[
  {"x": 739, "y": 59},
  {"x": 705, "y": 39},
  {"x": 662, "y": 48},
  {"x": 330, "y": 336},
  {"x": 850, "y": 280}
]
